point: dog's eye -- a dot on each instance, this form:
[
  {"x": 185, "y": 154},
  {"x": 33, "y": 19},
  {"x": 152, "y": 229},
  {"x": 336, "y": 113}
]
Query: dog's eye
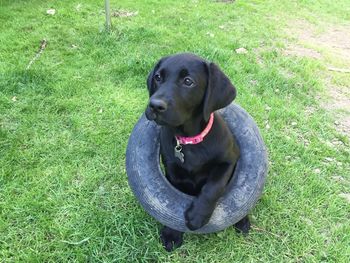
[
  {"x": 188, "y": 82},
  {"x": 157, "y": 77}
]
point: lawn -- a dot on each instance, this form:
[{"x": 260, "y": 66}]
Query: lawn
[{"x": 65, "y": 122}]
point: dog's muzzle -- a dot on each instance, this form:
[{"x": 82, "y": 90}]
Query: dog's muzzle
[{"x": 155, "y": 108}]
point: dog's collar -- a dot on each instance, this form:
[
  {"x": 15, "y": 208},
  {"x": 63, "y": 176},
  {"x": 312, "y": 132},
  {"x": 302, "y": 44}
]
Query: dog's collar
[{"x": 198, "y": 138}]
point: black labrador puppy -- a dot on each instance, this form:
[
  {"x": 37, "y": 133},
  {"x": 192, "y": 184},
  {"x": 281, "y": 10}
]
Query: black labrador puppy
[{"x": 197, "y": 148}]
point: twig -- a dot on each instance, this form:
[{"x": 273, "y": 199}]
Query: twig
[
  {"x": 43, "y": 44},
  {"x": 343, "y": 70},
  {"x": 75, "y": 243},
  {"x": 264, "y": 230}
]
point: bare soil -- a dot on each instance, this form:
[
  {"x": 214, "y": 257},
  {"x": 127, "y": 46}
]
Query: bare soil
[{"x": 332, "y": 46}]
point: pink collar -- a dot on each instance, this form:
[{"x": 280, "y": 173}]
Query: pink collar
[{"x": 198, "y": 138}]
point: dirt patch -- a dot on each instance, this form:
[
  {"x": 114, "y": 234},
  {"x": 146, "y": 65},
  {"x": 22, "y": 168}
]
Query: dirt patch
[
  {"x": 341, "y": 98},
  {"x": 339, "y": 103},
  {"x": 334, "y": 39},
  {"x": 331, "y": 45},
  {"x": 346, "y": 196},
  {"x": 302, "y": 52}
]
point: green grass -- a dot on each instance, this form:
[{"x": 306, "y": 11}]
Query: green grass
[{"x": 63, "y": 188}]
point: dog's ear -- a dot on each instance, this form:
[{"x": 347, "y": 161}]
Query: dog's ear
[
  {"x": 150, "y": 82},
  {"x": 150, "y": 78},
  {"x": 220, "y": 91}
]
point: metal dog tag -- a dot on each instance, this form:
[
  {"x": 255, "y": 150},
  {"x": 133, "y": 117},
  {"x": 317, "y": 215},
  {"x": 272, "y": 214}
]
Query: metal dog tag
[{"x": 178, "y": 153}]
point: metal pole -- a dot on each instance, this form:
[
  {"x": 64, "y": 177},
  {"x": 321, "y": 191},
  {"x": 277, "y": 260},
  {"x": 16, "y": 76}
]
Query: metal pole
[{"x": 108, "y": 15}]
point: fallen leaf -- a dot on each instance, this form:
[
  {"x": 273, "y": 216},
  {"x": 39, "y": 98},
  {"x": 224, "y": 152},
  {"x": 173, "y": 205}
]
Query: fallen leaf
[
  {"x": 338, "y": 178},
  {"x": 306, "y": 142},
  {"x": 241, "y": 50},
  {"x": 253, "y": 82},
  {"x": 336, "y": 142},
  {"x": 210, "y": 34},
  {"x": 220, "y": 234},
  {"x": 77, "y": 7},
  {"x": 328, "y": 159},
  {"x": 50, "y": 11},
  {"x": 124, "y": 13}
]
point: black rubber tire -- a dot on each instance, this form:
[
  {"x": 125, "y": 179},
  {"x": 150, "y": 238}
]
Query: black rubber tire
[{"x": 167, "y": 204}]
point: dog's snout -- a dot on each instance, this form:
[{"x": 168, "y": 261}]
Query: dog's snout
[{"x": 158, "y": 105}]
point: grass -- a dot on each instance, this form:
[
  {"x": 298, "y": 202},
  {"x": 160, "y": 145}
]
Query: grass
[{"x": 65, "y": 122}]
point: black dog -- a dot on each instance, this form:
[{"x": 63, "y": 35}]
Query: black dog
[{"x": 184, "y": 90}]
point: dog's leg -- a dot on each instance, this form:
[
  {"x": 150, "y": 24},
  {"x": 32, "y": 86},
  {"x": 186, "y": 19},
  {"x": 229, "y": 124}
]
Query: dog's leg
[
  {"x": 243, "y": 226},
  {"x": 171, "y": 238},
  {"x": 202, "y": 207}
]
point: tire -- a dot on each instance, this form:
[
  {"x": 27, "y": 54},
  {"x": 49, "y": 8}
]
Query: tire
[{"x": 167, "y": 204}]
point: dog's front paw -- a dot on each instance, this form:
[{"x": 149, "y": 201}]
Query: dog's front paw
[
  {"x": 243, "y": 226},
  {"x": 195, "y": 220},
  {"x": 171, "y": 238}
]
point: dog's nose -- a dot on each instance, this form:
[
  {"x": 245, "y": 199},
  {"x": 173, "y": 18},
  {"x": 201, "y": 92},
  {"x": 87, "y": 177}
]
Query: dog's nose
[{"x": 158, "y": 105}]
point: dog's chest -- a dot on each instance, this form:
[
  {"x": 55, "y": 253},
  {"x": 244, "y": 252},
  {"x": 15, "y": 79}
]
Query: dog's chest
[{"x": 193, "y": 157}]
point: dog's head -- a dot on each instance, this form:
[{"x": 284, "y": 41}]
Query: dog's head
[{"x": 183, "y": 86}]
